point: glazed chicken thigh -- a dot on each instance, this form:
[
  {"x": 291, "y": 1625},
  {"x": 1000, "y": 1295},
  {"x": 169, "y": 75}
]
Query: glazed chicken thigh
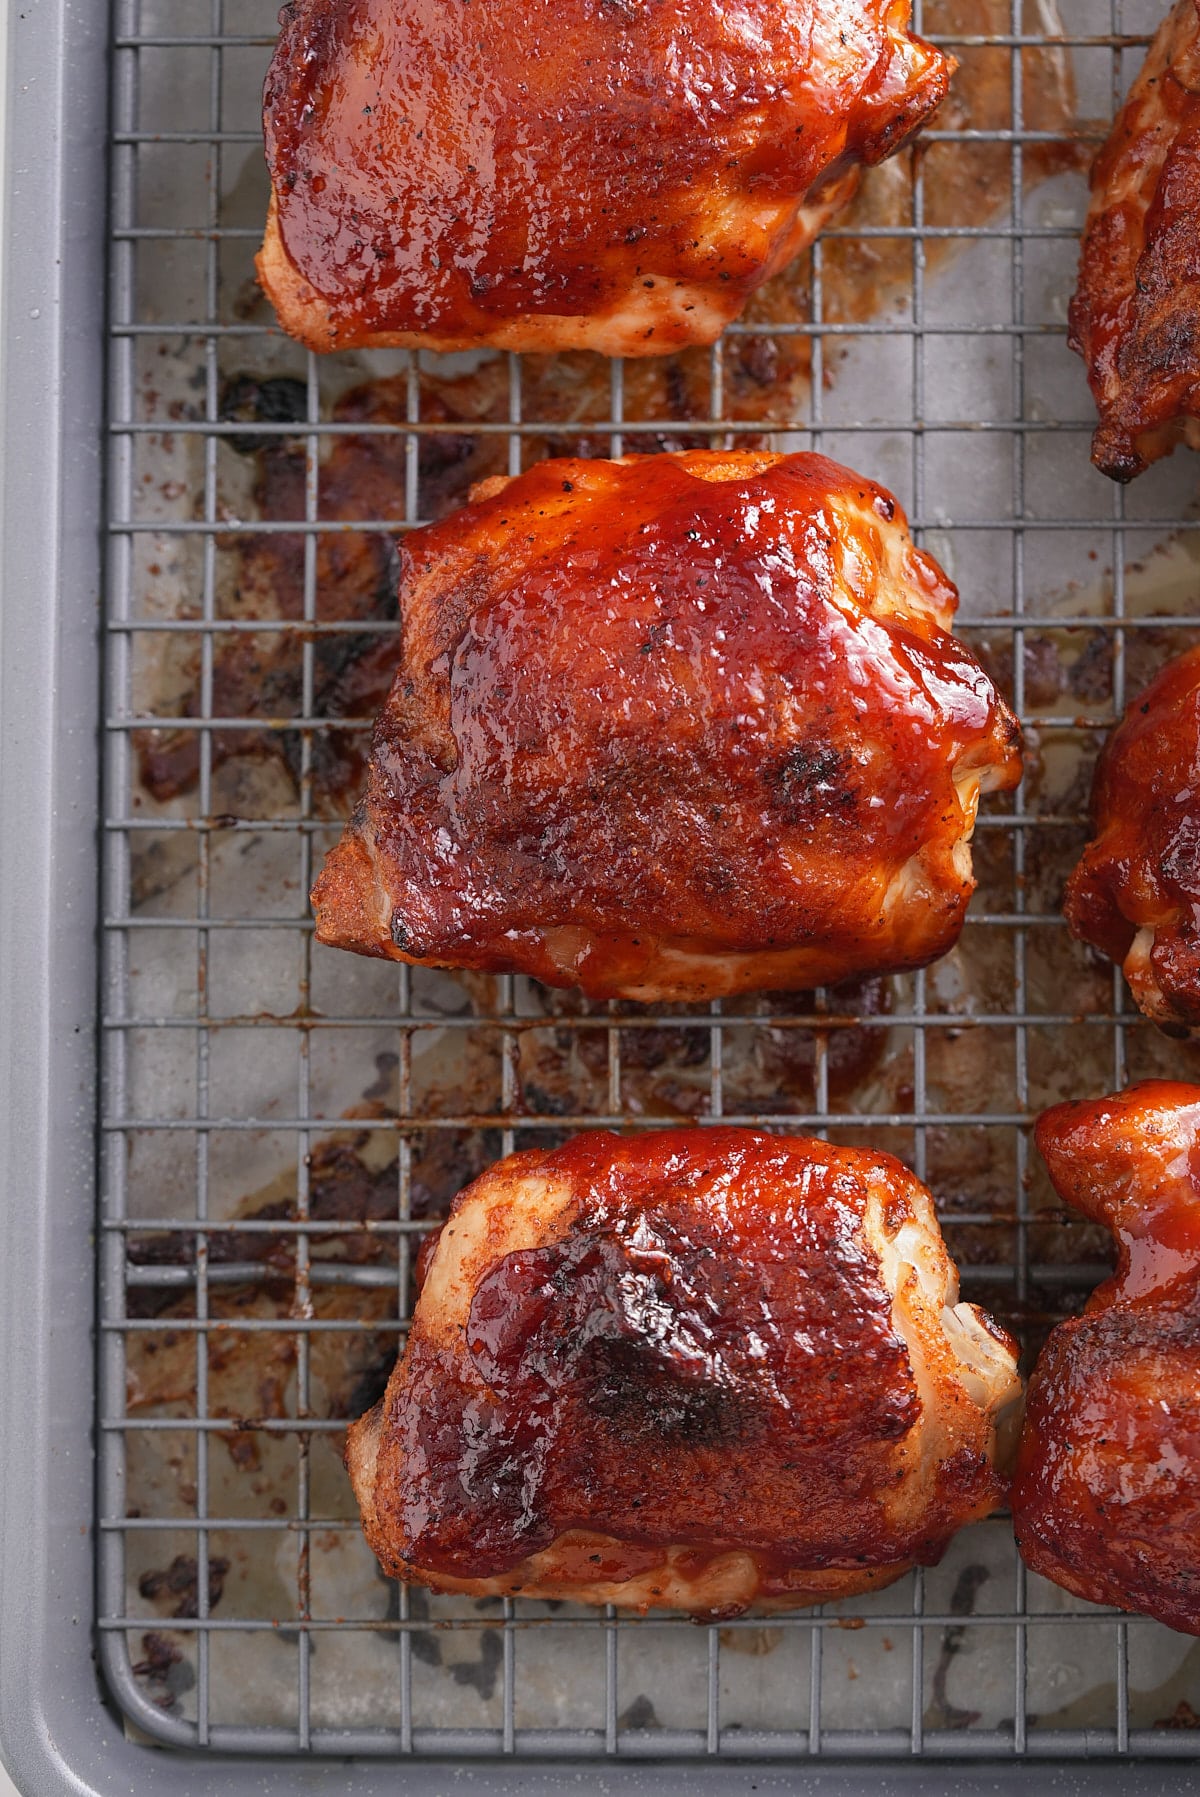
[
  {"x": 701, "y": 1369},
  {"x": 1106, "y": 1497},
  {"x": 1135, "y": 894},
  {"x": 668, "y": 728},
  {"x": 1135, "y": 317},
  {"x": 616, "y": 175}
]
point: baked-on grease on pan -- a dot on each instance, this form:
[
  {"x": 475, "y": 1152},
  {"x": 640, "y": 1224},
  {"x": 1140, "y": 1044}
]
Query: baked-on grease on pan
[
  {"x": 582, "y": 175},
  {"x": 669, "y": 728},
  {"x": 699, "y": 1370},
  {"x": 1136, "y": 890},
  {"x": 1106, "y": 1496},
  {"x": 1135, "y": 317}
]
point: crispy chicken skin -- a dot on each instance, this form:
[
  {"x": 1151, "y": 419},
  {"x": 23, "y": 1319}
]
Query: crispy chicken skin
[
  {"x": 1135, "y": 317},
  {"x": 1135, "y": 894},
  {"x": 672, "y": 727},
  {"x": 616, "y": 175},
  {"x": 700, "y": 1369},
  {"x": 1106, "y": 1497}
]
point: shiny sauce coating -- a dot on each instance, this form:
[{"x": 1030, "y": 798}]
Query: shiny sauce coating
[
  {"x": 1135, "y": 316},
  {"x": 637, "y": 707},
  {"x": 1106, "y": 1496},
  {"x": 705, "y": 1355},
  {"x": 439, "y": 166},
  {"x": 1141, "y": 871}
]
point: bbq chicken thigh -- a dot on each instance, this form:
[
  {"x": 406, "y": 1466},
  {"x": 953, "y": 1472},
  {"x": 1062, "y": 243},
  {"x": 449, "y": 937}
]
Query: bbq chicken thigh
[
  {"x": 671, "y": 727},
  {"x": 1135, "y": 894},
  {"x": 1135, "y": 317},
  {"x": 616, "y": 175},
  {"x": 698, "y": 1370},
  {"x": 1106, "y": 1497}
]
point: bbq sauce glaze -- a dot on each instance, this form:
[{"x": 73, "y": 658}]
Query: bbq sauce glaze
[{"x": 705, "y": 1357}]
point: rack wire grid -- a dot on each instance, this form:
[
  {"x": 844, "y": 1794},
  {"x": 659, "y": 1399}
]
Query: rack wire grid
[{"x": 281, "y": 1123}]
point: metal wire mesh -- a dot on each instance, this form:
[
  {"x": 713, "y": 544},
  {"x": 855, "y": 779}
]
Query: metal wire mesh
[{"x": 250, "y": 1077}]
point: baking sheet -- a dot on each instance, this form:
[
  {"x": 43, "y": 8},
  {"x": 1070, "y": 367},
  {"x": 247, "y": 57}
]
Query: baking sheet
[{"x": 253, "y": 1078}]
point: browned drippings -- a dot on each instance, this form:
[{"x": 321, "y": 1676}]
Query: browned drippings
[
  {"x": 664, "y": 1068},
  {"x": 351, "y": 1179},
  {"x": 176, "y": 1587}
]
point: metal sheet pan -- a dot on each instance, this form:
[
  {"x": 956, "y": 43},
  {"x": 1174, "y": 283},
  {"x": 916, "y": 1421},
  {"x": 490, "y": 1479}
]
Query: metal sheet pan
[{"x": 60, "y": 1724}]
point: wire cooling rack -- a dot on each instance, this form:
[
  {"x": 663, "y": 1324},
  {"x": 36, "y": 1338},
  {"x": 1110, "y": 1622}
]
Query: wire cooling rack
[{"x": 281, "y": 1124}]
